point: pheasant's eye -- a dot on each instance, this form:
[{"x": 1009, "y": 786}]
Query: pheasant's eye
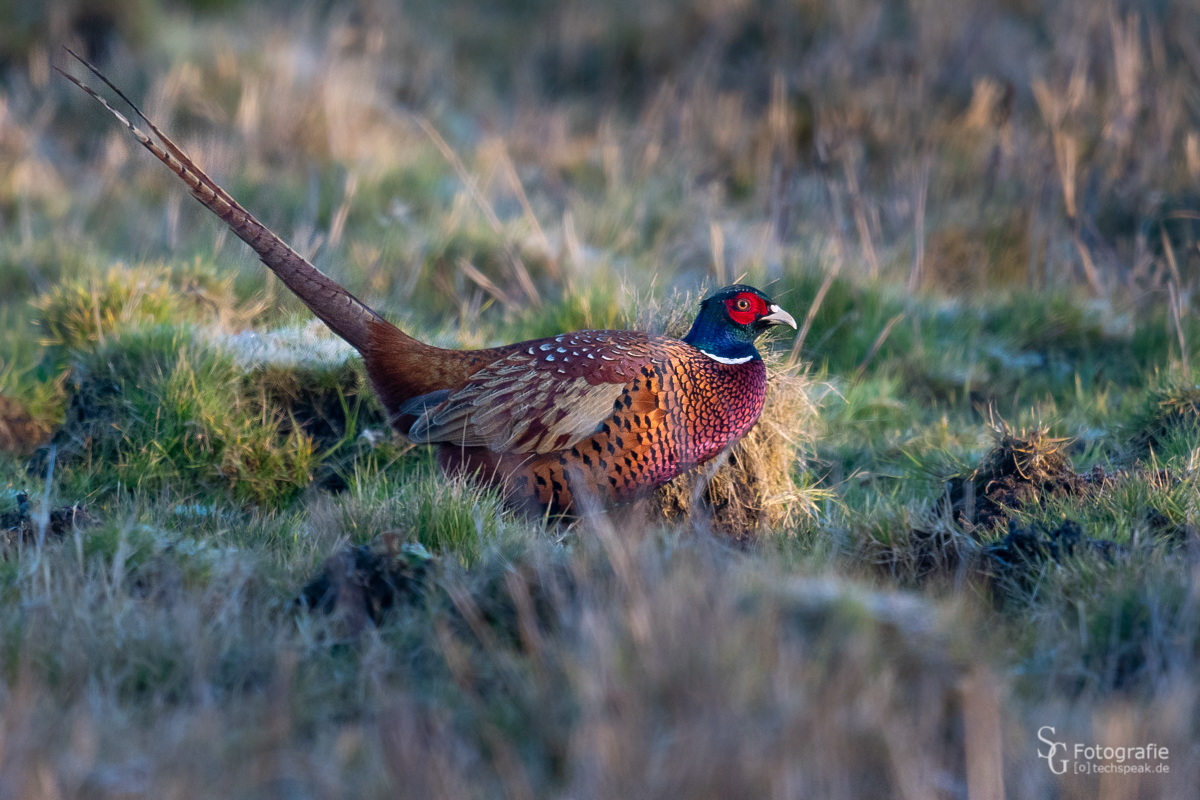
[{"x": 743, "y": 304}]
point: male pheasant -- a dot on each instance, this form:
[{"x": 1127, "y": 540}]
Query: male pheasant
[{"x": 592, "y": 415}]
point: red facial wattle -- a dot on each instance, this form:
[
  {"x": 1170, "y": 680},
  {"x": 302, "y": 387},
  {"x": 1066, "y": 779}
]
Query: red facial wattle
[{"x": 744, "y": 308}]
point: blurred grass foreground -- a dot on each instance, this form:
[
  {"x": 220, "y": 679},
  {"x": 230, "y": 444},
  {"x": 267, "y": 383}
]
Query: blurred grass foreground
[{"x": 961, "y": 542}]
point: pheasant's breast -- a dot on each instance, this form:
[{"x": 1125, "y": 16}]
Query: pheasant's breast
[{"x": 682, "y": 409}]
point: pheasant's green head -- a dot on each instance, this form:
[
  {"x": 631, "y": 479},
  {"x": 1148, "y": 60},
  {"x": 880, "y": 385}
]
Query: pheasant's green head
[{"x": 731, "y": 319}]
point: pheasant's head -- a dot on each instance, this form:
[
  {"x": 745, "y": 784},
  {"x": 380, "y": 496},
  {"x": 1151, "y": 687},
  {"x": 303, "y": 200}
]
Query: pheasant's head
[{"x": 731, "y": 319}]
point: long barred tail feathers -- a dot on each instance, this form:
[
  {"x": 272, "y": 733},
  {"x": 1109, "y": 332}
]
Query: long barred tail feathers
[{"x": 345, "y": 314}]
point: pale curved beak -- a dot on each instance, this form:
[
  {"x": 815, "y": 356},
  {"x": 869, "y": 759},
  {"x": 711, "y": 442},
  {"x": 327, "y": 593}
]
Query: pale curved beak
[{"x": 779, "y": 317}]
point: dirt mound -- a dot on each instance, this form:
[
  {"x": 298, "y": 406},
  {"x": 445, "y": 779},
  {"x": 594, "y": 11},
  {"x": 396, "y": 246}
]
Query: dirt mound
[
  {"x": 171, "y": 407},
  {"x": 1035, "y": 543},
  {"x": 1016, "y": 561},
  {"x": 1022, "y": 468},
  {"x": 22, "y": 522},
  {"x": 321, "y": 403},
  {"x": 361, "y": 583}
]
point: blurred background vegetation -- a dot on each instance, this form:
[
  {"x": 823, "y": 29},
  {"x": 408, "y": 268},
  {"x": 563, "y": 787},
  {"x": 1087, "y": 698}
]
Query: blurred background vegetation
[{"x": 968, "y": 512}]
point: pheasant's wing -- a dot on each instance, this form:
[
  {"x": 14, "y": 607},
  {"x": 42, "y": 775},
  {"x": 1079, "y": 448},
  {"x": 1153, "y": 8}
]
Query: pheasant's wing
[{"x": 545, "y": 396}]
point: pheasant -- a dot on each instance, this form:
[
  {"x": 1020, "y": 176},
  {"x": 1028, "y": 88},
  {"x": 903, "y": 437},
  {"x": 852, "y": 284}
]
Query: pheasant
[{"x": 593, "y": 416}]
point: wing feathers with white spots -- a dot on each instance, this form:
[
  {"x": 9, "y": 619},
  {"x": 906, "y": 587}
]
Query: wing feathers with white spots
[{"x": 544, "y": 397}]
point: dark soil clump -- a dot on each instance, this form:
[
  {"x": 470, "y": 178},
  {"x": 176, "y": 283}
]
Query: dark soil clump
[
  {"x": 362, "y": 583},
  {"x": 1025, "y": 545},
  {"x": 1023, "y": 468},
  {"x": 1016, "y": 561},
  {"x": 22, "y": 524}
]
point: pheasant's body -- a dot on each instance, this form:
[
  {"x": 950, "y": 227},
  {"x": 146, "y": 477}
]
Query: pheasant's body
[
  {"x": 673, "y": 408},
  {"x": 597, "y": 416}
]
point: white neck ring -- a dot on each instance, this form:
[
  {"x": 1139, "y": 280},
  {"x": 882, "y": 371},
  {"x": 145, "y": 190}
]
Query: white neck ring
[{"x": 723, "y": 360}]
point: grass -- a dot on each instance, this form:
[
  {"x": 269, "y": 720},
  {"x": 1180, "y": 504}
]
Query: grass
[{"x": 968, "y": 512}]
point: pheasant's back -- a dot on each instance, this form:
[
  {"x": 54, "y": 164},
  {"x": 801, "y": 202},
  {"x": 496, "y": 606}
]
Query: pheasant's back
[{"x": 680, "y": 410}]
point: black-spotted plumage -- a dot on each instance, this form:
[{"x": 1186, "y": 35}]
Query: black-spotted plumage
[
  {"x": 666, "y": 408},
  {"x": 591, "y": 415}
]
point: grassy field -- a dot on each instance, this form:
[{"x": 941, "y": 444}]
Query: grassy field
[{"x": 968, "y": 513}]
